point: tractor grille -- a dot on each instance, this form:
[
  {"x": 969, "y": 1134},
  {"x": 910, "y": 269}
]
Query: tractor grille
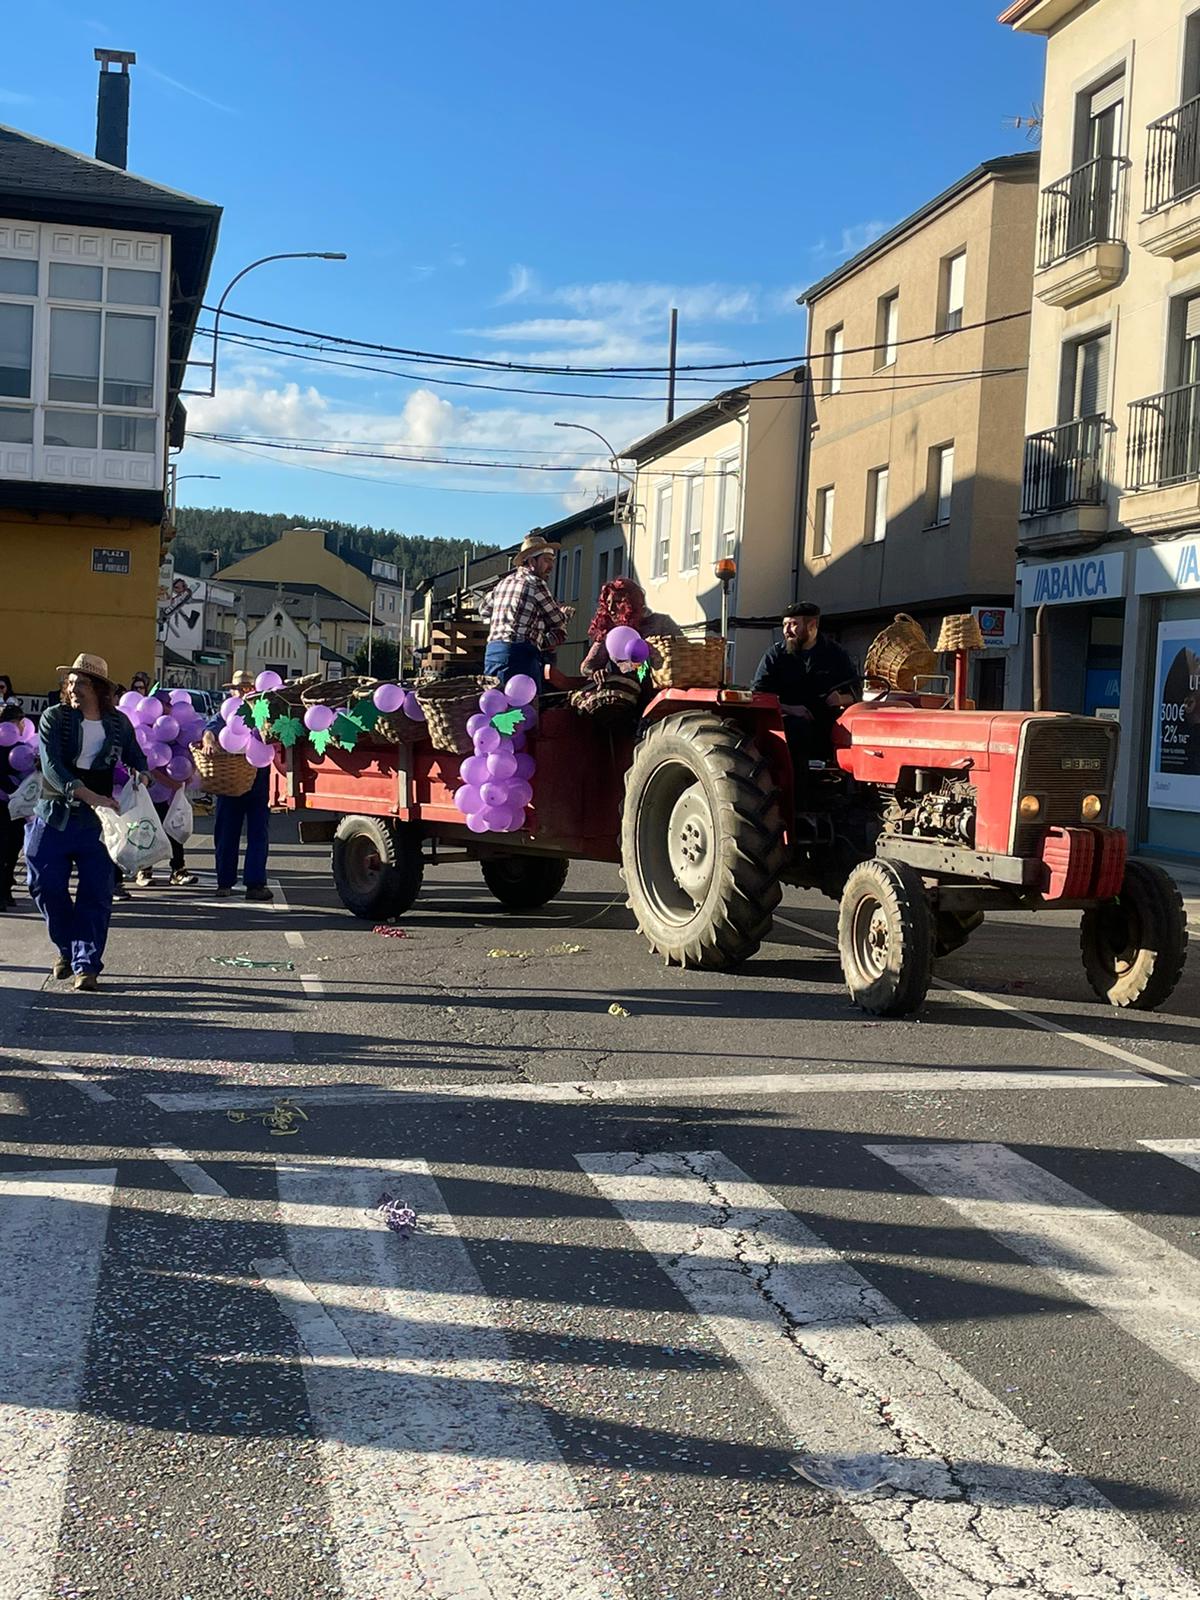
[{"x": 1047, "y": 768}]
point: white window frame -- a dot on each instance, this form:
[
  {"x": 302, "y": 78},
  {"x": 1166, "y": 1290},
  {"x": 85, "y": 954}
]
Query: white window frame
[
  {"x": 826, "y": 507},
  {"x": 951, "y": 319},
  {"x": 877, "y": 509},
  {"x": 887, "y": 329},
  {"x": 941, "y": 484},
  {"x": 663, "y": 509},
  {"x": 47, "y": 245},
  {"x": 835, "y": 343},
  {"x": 726, "y": 532},
  {"x": 691, "y": 533}
]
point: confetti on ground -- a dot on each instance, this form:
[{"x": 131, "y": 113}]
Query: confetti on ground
[
  {"x": 564, "y": 949},
  {"x": 615, "y": 1010},
  {"x": 400, "y": 1218},
  {"x": 259, "y": 966},
  {"x": 281, "y": 1118},
  {"x": 389, "y": 930},
  {"x": 510, "y": 955}
]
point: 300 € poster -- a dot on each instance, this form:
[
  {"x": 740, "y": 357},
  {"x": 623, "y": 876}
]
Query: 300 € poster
[{"x": 1175, "y": 747}]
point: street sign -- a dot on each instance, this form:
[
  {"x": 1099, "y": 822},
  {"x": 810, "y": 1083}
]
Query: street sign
[
  {"x": 999, "y": 625},
  {"x": 106, "y": 560}
]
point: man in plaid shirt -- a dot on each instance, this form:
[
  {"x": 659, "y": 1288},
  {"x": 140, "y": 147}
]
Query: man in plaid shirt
[{"x": 526, "y": 620}]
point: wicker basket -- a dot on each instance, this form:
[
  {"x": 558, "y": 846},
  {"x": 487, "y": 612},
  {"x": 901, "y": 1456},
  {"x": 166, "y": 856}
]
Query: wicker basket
[
  {"x": 392, "y": 727},
  {"x": 900, "y": 654},
  {"x": 337, "y": 693},
  {"x": 223, "y": 773},
  {"x": 613, "y": 701},
  {"x": 960, "y": 632},
  {"x": 687, "y": 663},
  {"x": 448, "y": 707}
]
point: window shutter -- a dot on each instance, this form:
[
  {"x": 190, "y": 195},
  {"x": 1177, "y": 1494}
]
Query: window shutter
[
  {"x": 1191, "y": 324},
  {"x": 1106, "y": 96},
  {"x": 1091, "y": 381}
]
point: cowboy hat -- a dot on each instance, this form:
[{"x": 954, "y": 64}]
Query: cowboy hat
[
  {"x": 93, "y": 666},
  {"x": 241, "y": 681},
  {"x": 533, "y": 544}
]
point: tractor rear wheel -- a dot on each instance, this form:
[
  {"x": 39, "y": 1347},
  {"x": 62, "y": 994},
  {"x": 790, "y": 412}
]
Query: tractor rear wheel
[
  {"x": 377, "y": 866},
  {"x": 885, "y": 938},
  {"x": 701, "y": 841},
  {"x": 525, "y": 883},
  {"x": 1134, "y": 947}
]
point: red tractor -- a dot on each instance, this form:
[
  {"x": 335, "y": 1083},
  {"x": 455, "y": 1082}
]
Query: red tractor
[{"x": 930, "y": 817}]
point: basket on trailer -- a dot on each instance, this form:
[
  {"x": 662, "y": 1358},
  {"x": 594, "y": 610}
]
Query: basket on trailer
[
  {"x": 448, "y": 707},
  {"x": 680, "y": 663},
  {"x": 391, "y": 727},
  {"x": 613, "y": 701},
  {"x": 900, "y": 654}
]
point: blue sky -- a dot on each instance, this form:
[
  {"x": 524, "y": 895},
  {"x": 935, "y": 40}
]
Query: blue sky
[{"x": 533, "y": 181}]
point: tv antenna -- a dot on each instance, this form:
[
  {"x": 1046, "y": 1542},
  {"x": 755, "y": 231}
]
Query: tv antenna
[{"x": 1032, "y": 124}]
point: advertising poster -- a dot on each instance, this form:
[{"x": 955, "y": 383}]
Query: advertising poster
[
  {"x": 1175, "y": 743},
  {"x": 181, "y": 614}
]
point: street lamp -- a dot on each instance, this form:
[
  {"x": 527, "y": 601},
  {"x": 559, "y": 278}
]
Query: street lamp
[
  {"x": 612, "y": 458},
  {"x": 285, "y": 255}
]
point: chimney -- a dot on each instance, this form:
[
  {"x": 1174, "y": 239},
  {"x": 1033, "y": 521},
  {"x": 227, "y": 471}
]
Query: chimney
[{"x": 112, "y": 107}]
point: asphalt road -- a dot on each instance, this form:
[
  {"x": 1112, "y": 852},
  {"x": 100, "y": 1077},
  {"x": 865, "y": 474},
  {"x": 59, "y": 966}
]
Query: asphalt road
[{"x": 949, "y": 1267}]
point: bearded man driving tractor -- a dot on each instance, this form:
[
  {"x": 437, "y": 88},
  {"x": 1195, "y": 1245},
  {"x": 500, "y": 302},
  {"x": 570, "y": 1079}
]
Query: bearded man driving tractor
[{"x": 814, "y": 679}]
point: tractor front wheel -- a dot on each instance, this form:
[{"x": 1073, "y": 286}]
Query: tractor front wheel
[
  {"x": 524, "y": 883},
  {"x": 377, "y": 866},
  {"x": 1134, "y": 947},
  {"x": 885, "y": 938}
]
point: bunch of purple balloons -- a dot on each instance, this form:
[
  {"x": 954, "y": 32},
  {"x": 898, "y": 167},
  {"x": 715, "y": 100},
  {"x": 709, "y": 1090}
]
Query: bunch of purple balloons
[
  {"x": 238, "y": 737},
  {"x": 626, "y": 645},
  {"x": 20, "y": 739},
  {"x": 496, "y": 780},
  {"x": 166, "y": 725},
  {"x": 391, "y": 697}
]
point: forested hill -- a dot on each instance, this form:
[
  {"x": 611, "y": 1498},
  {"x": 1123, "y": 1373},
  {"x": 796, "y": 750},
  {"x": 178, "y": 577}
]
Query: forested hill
[{"x": 233, "y": 533}]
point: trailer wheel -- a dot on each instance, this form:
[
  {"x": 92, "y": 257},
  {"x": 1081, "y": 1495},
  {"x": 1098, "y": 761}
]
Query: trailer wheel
[
  {"x": 377, "y": 866},
  {"x": 701, "y": 841},
  {"x": 1134, "y": 947},
  {"x": 525, "y": 883},
  {"x": 885, "y": 938}
]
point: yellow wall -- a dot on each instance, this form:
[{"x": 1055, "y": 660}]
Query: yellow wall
[
  {"x": 52, "y": 605},
  {"x": 300, "y": 556}
]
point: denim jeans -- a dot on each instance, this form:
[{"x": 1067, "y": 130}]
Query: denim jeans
[
  {"x": 504, "y": 660},
  {"x": 252, "y": 810},
  {"x": 78, "y": 927}
]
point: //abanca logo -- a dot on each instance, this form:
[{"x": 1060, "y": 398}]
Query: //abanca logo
[
  {"x": 1187, "y": 572},
  {"x": 1075, "y": 580}
]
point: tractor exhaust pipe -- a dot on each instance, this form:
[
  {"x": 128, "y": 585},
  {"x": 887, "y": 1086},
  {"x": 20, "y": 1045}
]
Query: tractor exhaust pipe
[{"x": 1041, "y": 660}]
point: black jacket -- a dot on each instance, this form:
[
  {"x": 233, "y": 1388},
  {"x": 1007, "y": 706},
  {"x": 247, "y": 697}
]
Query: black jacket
[{"x": 808, "y": 676}]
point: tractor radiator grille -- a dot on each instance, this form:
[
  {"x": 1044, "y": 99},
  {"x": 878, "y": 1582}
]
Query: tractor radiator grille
[{"x": 1060, "y": 762}]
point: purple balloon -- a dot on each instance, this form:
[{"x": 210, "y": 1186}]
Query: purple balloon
[
  {"x": 526, "y": 766},
  {"x": 618, "y": 642},
  {"x": 231, "y": 706},
  {"x": 157, "y": 755},
  {"x": 318, "y": 718},
  {"x": 638, "y": 652},
  {"x": 234, "y": 738},
  {"x": 494, "y": 794},
  {"x": 476, "y": 823},
  {"x": 22, "y": 759},
  {"x": 517, "y": 740},
  {"x": 492, "y": 702},
  {"x": 149, "y": 708},
  {"x": 468, "y": 799},
  {"x": 267, "y": 680},
  {"x": 128, "y": 702},
  {"x": 180, "y": 697},
  {"x": 165, "y": 730},
  {"x": 259, "y": 754},
  {"x": 9, "y": 735},
  {"x": 412, "y": 707},
  {"x": 476, "y": 723},
  {"x": 180, "y": 768},
  {"x": 521, "y": 689},
  {"x": 502, "y": 764},
  {"x": 160, "y": 794},
  {"x": 487, "y": 741},
  {"x": 389, "y": 697},
  {"x": 143, "y": 735},
  {"x": 474, "y": 769},
  {"x": 520, "y": 793},
  {"x": 492, "y": 817}
]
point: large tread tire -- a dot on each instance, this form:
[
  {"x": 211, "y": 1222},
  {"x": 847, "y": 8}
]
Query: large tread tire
[
  {"x": 885, "y": 938},
  {"x": 1134, "y": 947},
  {"x": 713, "y": 908},
  {"x": 525, "y": 883},
  {"x": 377, "y": 866}
]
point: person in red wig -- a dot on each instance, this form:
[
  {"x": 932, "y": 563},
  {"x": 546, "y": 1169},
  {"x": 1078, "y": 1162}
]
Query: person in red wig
[{"x": 622, "y": 604}]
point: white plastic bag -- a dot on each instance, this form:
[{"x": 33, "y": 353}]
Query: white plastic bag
[
  {"x": 25, "y": 796},
  {"x": 133, "y": 835},
  {"x": 178, "y": 823}
]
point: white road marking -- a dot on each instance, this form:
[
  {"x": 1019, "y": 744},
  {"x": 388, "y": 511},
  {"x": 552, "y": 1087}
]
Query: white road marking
[
  {"x": 13, "y": 1105},
  {"x": 1137, "y": 1280},
  {"x": 280, "y": 901},
  {"x": 1046, "y": 1024},
  {"x": 444, "y": 1480},
  {"x": 974, "y": 1505},
  {"x": 193, "y": 1175},
  {"x": 52, "y": 1230},
  {"x": 93, "y": 1091},
  {"x": 931, "y": 1080},
  {"x": 311, "y": 984},
  {"x": 296, "y": 940},
  {"x": 1185, "y": 1151}
]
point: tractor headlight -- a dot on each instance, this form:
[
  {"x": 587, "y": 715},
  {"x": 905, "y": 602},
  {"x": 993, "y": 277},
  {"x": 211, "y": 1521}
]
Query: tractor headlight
[
  {"x": 1091, "y": 808},
  {"x": 1028, "y": 807}
]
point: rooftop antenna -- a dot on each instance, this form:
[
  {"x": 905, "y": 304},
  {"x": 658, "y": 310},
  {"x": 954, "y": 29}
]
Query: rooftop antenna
[{"x": 1032, "y": 124}]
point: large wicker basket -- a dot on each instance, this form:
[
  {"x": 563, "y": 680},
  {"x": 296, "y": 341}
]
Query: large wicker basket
[
  {"x": 687, "y": 663},
  {"x": 337, "y": 693},
  {"x": 392, "y": 727},
  {"x": 223, "y": 773},
  {"x": 613, "y": 701},
  {"x": 448, "y": 707},
  {"x": 900, "y": 654}
]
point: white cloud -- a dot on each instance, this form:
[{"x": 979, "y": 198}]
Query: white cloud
[
  {"x": 852, "y": 239},
  {"x": 12, "y": 97},
  {"x": 521, "y": 282}
]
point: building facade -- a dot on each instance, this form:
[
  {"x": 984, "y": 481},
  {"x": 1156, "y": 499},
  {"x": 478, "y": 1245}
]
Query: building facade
[
  {"x": 101, "y": 279},
  {"x": 917, "y": 347},
  {"x": 1110, "y": 526},
  {"x": 316, "y": 556}
]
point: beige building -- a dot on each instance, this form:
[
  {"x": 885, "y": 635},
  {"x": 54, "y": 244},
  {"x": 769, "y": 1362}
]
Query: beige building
[
  {"x": 303, "y": 557},
  {"x": 725, "y": 479},
  {"x": 1110, "y": 530},
  {"x": 914, "y": 471}
]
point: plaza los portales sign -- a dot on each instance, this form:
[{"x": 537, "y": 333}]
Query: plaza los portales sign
[{"x": 1082, "y": 580}]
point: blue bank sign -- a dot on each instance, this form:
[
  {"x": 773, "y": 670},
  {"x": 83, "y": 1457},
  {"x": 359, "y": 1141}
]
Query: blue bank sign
[
  {"x": 1077, "y": 582},
  {"x": 1169, "y": 566}
]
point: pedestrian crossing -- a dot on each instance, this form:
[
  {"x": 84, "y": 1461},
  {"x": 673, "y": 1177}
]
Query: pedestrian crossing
[{"x": 456, "y": 1383}]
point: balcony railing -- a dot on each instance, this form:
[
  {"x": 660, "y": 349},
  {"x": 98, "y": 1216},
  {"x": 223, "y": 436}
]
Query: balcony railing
[
  {"x": 1173, "y": 155},
  {"x": 215, "y": 639},
  {"x": 1086, "y": 207},
  {"x": 1164, "y": 439},
  {"x": 1064, "y": 467}
]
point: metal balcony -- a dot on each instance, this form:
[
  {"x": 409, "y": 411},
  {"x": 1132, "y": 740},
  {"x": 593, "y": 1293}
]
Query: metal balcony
[
  {"x": 1064, "y": 467},
  {"x": 216, "y": 639},
  {"x": 1164, "y": 439},
  {"x": 1173, "y": 155},
  {"x": 1084, "y": 208}
]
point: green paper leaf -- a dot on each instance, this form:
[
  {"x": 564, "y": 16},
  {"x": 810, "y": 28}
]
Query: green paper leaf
[
  {"x": 260, "y": 713},
  {"x": 346, "y": 731},
  {"x": 320, "y": 739},
  {"x": 508, "y": 721},
  {"x": 366, "y": 713},
  {"x": 287, "y": 730},
  {"x": 642, "y": 671}
]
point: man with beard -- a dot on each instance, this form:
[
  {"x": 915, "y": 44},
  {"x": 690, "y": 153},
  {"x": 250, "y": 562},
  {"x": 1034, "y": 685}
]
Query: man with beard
[{"x": 814, "y": 679}]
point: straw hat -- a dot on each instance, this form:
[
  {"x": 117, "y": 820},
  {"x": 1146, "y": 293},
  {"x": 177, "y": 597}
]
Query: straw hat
[
  {"x": 240, "y": 682},
  {"x": 534, "y": 544},
  {"x": 94, "y": 666}
]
